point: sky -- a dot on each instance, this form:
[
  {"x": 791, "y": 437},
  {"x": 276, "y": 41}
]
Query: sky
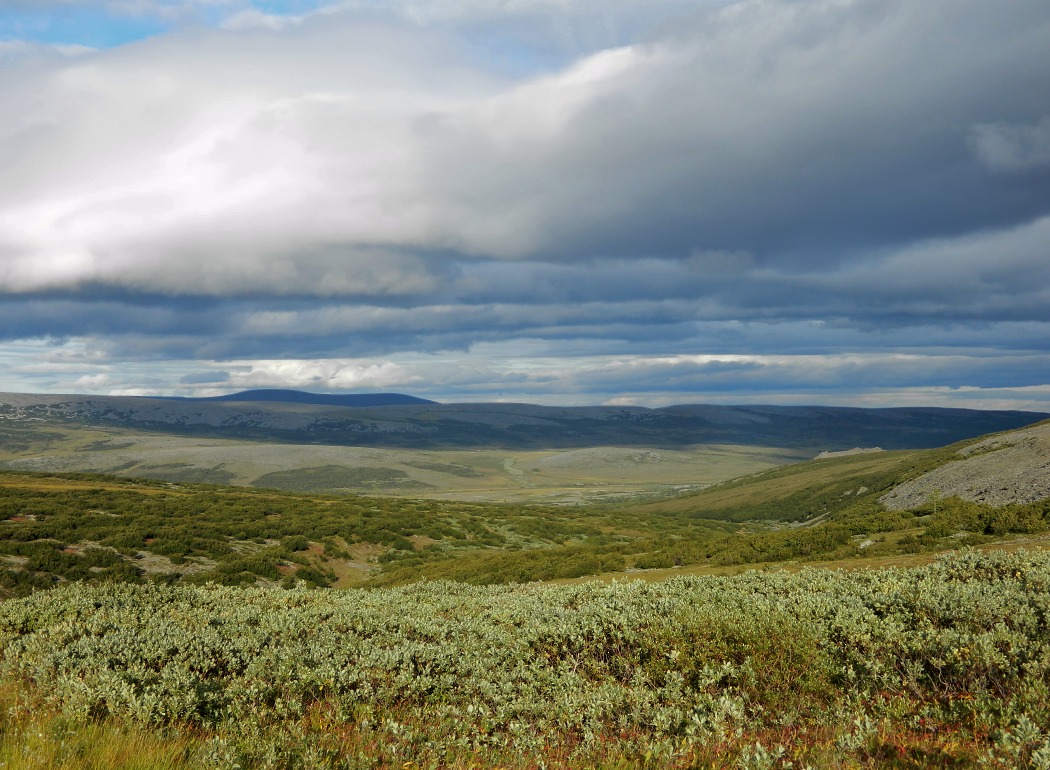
[{"x": 555, "y": 201}]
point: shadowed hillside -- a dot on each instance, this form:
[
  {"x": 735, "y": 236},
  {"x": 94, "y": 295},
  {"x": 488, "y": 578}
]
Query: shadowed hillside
[
  {"x": 521, "y": 426},
  {"x": 326, "y": 399}
]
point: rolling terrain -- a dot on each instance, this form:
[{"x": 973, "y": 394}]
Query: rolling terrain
[
  {"x": 265, "y": 512},
  {"x": 473, "y": 452},
  {"x": 166, "y": 633},
  {"x": 565, "y": 477},
  {"x": 58, "y": 527},
  {"x": 518, "y": 426}
]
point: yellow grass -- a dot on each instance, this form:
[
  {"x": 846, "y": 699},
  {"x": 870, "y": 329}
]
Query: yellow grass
[
  {"x": 34, "y": 736},
  {"x": 45, "y": 484},
  {"x": 781, "y": 483}
]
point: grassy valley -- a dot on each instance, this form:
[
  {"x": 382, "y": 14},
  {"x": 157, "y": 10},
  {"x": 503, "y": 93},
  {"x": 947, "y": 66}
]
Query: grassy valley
[
  {"x": 391, "y": 445},
  {"x": 565, "y": 477},
  {"x": 59, "y": 526}
]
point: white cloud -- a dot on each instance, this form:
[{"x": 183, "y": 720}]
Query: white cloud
[
  {"x": 132, "y": 7},
  {"x": 159, "y": 174},
  {"x": 322, "y": 375},
  {"x": 530, "y": 371},
  {"x": 254, "y": 19},
  {"x": 319, "y": 160},
  {"x": 11, "y": 50},
  {"x": 91, "y": 382}
]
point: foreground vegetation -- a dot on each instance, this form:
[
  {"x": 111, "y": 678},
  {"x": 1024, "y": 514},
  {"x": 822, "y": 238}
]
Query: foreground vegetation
[{"x": 943, "y": 666}]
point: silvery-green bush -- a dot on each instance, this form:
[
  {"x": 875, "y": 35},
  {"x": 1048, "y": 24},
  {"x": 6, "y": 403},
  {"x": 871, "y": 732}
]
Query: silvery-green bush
[{"x": 688, "y": 659}]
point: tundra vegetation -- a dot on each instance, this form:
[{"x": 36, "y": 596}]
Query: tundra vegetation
[
  {"x": 156, "y": 624},
  {"x": 946, "y": 665},
  {"x": 55, "y": 528}
]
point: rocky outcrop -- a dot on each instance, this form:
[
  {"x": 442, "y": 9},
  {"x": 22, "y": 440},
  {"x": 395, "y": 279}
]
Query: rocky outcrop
[
  {"x": 848, "y": 452},
  {"x": 1011, "y": 467}
]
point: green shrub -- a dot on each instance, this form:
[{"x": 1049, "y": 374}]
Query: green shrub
[{"x": 947, "y": 664}]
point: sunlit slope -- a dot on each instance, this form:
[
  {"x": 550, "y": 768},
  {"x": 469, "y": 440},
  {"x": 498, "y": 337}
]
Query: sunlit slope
[
  {"x": 1005, "y": 468},
  {"x": 566, "y": 476},
  {"x": 800, "y": 491}
]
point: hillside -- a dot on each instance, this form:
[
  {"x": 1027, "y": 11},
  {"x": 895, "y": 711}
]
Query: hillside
[
  {"x": 326, "y": 399},
  {"x": 55, "y": 528},
  {"x": 518, "y": 426},
  {"x": 1010, "y": 468}
]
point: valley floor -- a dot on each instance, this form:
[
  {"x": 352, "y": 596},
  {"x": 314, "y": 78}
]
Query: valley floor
[{"x": 560, "y": 477}]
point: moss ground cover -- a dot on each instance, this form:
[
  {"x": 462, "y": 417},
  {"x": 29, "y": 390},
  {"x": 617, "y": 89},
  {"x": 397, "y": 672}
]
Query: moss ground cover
[{"x": 946, "y": 666}]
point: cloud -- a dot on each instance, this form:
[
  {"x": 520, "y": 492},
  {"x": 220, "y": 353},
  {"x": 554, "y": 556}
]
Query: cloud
[
  {"x": 328, "y": 159},
  {"x": 1007, "y": 148},
  {"x": 11, "y": 50},
  {"x": 324, "y": 375},
  {"x": 537, "y": 371},
  {"x": 131, "y": 7},
  {"x": 360, "y": 182},
  {"x": 91, "y": 382}
]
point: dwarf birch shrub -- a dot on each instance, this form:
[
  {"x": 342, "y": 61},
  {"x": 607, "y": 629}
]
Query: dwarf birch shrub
[{"x": 445, "y": 667}]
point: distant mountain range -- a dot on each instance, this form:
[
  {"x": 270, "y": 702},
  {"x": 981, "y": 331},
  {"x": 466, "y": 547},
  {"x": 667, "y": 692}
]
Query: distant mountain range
[
  {"x": 399, "y": 421},
  {"x": 278, "y": 396}
]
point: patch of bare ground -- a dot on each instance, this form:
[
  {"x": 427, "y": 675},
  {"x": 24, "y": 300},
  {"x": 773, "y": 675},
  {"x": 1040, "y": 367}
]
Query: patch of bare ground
[
  {"x": 152, "y": 564},
  {"x": 420, "y": 541},
  {"x": 1007, "y": 468},
  {"x": 848, "y": 452},
  {"x": 360, "y": 565},
  {"x": 347, "y": 573}
]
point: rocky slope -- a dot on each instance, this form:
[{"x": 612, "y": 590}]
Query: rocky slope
[{"x": 1012, "y": 467}]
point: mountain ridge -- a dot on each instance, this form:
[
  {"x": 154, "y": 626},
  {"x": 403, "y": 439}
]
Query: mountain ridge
[
  {"x": 291, "y": 396},
  {"x": 523, "y": 426}
]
